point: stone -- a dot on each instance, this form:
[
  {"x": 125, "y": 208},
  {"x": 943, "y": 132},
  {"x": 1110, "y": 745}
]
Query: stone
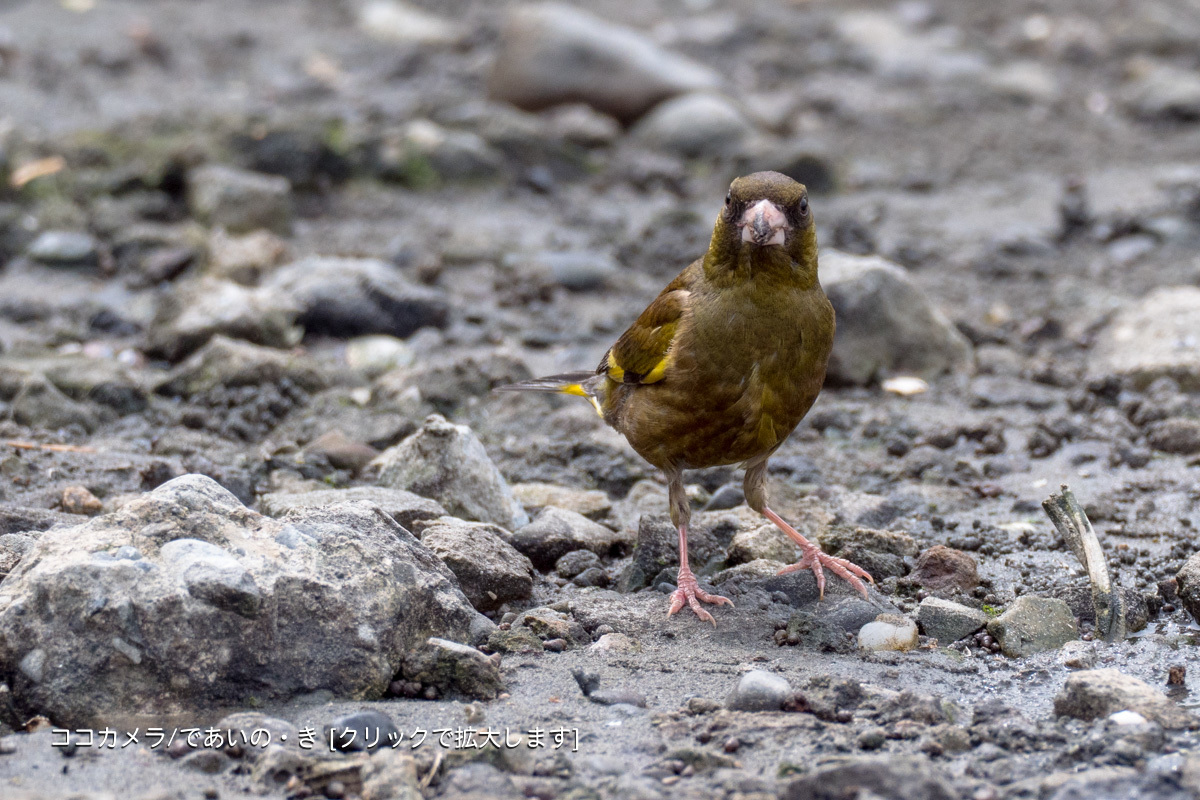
[
  {"x": 244, "y": 259},
  {"x": 362, "y": 730},
  {"x": 78, "y": 500},
  {"x": 490, "y": 571},
  {"x": 102, "y": 381},
  {"x": 577, "y": 270},
  {"x": 1077, "y": 655},
  {"x": 455, "y": 668},
  {"x": 423, "y": 155},
  {"x": 239, "y": 200},
  {"x": 64, "y": 248},
  {"x": 447, "y": 463},
  {"x": 391, "y": 774},
  {"x": 1179, "y": 435},
  {"x": 191, "y": 315},
  {"x": 656, "y": 550},
  {"x": 947, "y": 621},
  {"x": 1033, "y": 624},
  {"x": 557, "y": 532},
  {"x": 889, "y": 777},
  {"x": 759, "y": 690},
  {"x": 593, "y": 504},
  {"x": 341, "y": 451},
  {"x": 576, "y": 563},
  {"x": 404, "y": 507},
  {"x": 1155, "y": 337},
  {"x": 272, "y": 608},
  {"x": 1093, "y": 694},
  {"x": 228, "y": 363},
  {"x": 886, "y": 323},
  {"x": 942, "y": 568},
  {"x": 345, "y": 297},
  {"x": 375, "y": 355},
  {"x": 392, "y": 21},
  {"x": 1188, "y": 585},
  {"x": 696, "y": 125},
  {"x": 13, "y": 547},
  {"x": 1163, "y": 92},
  {"x": 40, "y": 405},
  {"x": 551, "y": 54},
  {"x": 761, "y": 542},
  {"x": 888, "y": 632}
]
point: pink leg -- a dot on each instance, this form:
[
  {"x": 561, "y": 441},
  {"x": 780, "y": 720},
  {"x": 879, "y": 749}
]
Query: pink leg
[
  {"x": 815, "y": 559},
  {"x": 688, "y": 592}
]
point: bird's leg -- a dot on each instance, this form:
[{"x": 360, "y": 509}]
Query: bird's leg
[
  {"x": 688, "y": 592},
  {"x": 812, "y": 557}
]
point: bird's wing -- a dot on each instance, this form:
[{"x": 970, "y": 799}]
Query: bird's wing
[{"x": 642, "y": 353}]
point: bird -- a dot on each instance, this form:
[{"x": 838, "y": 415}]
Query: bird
[{"x": 721, "y": 367}]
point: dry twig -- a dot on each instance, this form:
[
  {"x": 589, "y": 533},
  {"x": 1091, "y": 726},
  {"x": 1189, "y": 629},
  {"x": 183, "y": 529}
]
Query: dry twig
[{"x": 1066, "y": 514}]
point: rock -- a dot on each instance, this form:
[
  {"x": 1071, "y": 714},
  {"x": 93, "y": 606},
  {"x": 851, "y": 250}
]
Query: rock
[
  {"x": 577, "y": 270},
  {"x": 78, "y": 500},
  {"x": 272, "y": 609},
  {"x": 362, "y": 730},
  {"x": 886, "y": 324},
  {"x": 594, "y": 505},
  {"x": 759, "y": 690},
  {"x": 552, "y": 54},
  {"x": 209, "y": 762},
  {"x": 103, "y": 381},
  {"x": 1033, "y": 624},
  {"x": 882, "y": 553},
  {"x": 244, "y": 259},
  {"x": 13, "y": 547},
  {"x": 375, "y": 355},
  {"x": 17, "y": 519},
  {"x": 341, "y": 451},
  {"x": 1024, "y": 81},
  {"x": 1077, "y": 655},
  {"x": 41, "y": 405},
  {"x": 1188, "y": 583},
  {"x": 731, "y": 495},
  {"x": 490, "y": 571},
  {"x": 391, "y": 775},
  {"x": 447, "y": 463},
  {"x": 557, "y": 532},
  {"x": 65, "y": 248},
  {"x": 942, "y": 568},
  {"x": 1097, "y": 693},
  {"x": 656, "y": 550},
  {"x": 423, "y": 155},
  {"x": 616, "y": 643},
  {"x": 193, "y": 314},
  {"x": 347, "y": 297},
  {"x": 888, "y": 632},
  {"x": 392, "y": 21},
  {"x": 948, "y": 622},
  {"x": 575, "y": 563},
  {"x": 695, "y": 125},
  {"x": 228, "y": 363},
  {"x": 1153, "y": 338},
  {"x": 404, "y": 507},
  {"x": 761, "y": 542},
  {"x": 1164, "y": 93},
  {"x": 455, "y": 669},
  {"x": 1176, "y": 435},
  {"x": 239, "y": 200},
  {"x": 888, "y": 777}
]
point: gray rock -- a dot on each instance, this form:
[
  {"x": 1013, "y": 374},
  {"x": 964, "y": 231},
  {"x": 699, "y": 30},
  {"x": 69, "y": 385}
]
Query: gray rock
[
  {"x": 948, "y": 622},
  {"x": 593, "y": 504},
  {"x": 19, "y": 519},
  {"x": 552, "y": 54},
  {"x": 1176, "y": 435},
  {"x": 391, "y": 775},
  {"x": 404, "y": 507},
  {"x": 656, "y": 549},
  {"x": 1164, "y": 93},
  {"x": 1188, "y": 581},
  {"x": 447, "y": 463},
  {"x": 577, "y": 270},
  {"x": 885, "y": 777},
  {"x": 392, "y": 21},
  {"x": 1033, "y": 624},
  {"x": 228, "y": 363},
  {"x": 239, "y": 200},
  {"x": 1155, "y": 337},
  {"x": 570, "y": 565},
  {"x": 1097, "y": 693},
  {"x": 761, "y": 542},
  {"x": 424, "y": 154},
  {"x": 888, "y": 632},
  {"x": 13, "y": 547},
  {"x": 97, "y": 380},
  {"x": 209, "y": 762},
  {"x": 942, "y": 568},
  {"x": 759, "y": 690},
  {"x": 454, "y": 668},
  {"x": 64, "y": 248},
  {"x": 362, "y": 730},
  {"x": 41, "y": 405},
  {"x": 355, "y": 296},
  {"x": 557, "y": 532},
  {"x": 886, "y": 324},
  {"x": 194, "y": 313},
  {"x": 695, "y": 125},
  {"x": 203, "y": 552},
  {"x": 490, "y": 571}
]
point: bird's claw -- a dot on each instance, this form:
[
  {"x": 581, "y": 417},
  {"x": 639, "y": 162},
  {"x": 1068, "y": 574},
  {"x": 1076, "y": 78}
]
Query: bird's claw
[
  {"x": 817, "y": 560},
  {"x": 690, "y": 594}
]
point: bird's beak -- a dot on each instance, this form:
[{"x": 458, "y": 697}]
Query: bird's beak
[{"x": 764, "y": 224}]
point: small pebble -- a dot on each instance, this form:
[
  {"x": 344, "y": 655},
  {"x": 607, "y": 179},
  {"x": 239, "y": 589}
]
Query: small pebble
[{"x": 1177, "y": 675}]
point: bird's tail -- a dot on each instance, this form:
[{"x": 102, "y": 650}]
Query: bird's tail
[{"x": 580, "y": 384}]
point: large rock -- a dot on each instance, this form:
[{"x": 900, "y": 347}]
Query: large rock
[
  {"x": 885, "y": 322},
  {"x": 1163, "y": 92},
  {"x": 239, "y": 200},
  {"x": 557, "y": 532},
  {"x": 489, "y": 569},
  {"x": 356, "y": 296},
  {"x": 948, "y": 622},
  {"x": 1188, "y": 580},
  {"x": 1098, "y": 693},
  {"x": 447, "y": 463},
  {"x": 1033, "y": 624},
  {"x": 185, "y": 600},
  {"x": 192, "y": 314},
  {"x": 552, "y": 54},
  {"x": 942, "y": 568},
  {"x": 39, "y": 404},
  {"x": 228, "y": 363},
  {"x": 404, "y": 507},
  {"x": 695, "y": 125},
  {"x": 883, "y": 777},
  {"x": 98, "y": 380},
  {"x": 1153, "y": 338}
]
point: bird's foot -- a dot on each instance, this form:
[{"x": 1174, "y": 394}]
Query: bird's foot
[
  {"x": 692, "y": 595},
  {"x": 818, "y": 561}
]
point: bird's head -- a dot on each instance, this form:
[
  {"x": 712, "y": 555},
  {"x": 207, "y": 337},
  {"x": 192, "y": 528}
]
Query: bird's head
[{"x": 766, "y": 219}]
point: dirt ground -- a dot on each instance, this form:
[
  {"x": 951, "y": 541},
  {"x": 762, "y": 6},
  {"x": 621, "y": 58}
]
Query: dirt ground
[{"x": 1032, "y": 165}]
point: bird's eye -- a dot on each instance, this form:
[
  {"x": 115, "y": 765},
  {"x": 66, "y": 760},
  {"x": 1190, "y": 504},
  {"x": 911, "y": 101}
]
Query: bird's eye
[
  {"x": 803, "y": 205},
  {"x": 728, "y": 197}
]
